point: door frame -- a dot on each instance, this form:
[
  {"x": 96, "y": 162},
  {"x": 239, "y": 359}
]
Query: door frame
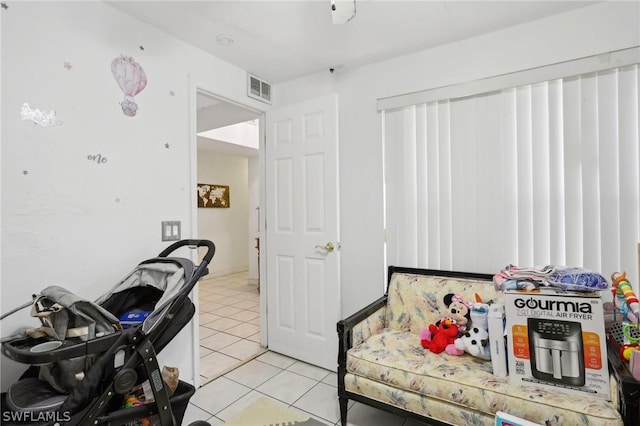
[{"x": 198, "y": 85}]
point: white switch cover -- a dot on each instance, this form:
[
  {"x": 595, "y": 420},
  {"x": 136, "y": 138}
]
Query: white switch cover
[{"x": 171, "y": 230}]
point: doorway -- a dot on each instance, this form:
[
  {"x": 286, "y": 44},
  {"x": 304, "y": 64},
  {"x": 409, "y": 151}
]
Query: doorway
[{"x": 228, "y": 183}]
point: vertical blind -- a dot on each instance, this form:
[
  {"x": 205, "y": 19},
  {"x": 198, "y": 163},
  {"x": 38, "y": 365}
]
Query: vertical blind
[{"x": 539, "y": 174}]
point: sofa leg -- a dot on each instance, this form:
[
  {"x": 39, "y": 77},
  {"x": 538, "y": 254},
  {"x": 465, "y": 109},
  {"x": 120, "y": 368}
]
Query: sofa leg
[{"x": 343, "y": 410}]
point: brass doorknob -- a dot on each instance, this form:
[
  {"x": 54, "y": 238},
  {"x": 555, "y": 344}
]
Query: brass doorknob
[{"x": 329, "y": 247}]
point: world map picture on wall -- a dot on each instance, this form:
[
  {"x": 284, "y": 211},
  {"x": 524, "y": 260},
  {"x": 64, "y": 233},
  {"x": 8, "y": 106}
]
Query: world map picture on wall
[{"x": 213, "y": 195}]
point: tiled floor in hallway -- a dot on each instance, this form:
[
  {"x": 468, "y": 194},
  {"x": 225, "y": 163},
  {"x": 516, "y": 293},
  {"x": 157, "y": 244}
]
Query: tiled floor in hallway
[
  {"x": 232, "y": 380},
  {"x": 229, "y": 323}
]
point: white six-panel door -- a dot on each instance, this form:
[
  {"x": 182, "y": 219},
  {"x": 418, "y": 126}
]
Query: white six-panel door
[{"x": 302, "y": 236}]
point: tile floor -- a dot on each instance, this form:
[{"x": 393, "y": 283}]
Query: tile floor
[
  {"x": 235, "y": 370},
  {"x": 229, "y": 324},
  {"x": 293, "y": 383}
]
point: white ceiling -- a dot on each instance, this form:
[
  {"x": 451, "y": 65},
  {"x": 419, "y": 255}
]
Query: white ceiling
[{"x": 283, "y": 40}]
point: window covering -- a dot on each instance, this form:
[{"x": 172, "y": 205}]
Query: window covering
[
  {"x": 544, "y": 173},
  {"x": 594, "y": 63}
]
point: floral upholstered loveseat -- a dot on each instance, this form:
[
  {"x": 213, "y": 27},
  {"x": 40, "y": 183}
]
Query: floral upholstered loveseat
[{"x": 382, "y": 363}]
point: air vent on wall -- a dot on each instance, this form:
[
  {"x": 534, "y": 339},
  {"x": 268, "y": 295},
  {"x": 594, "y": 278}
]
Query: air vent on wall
[{"x": 258, "y": 89}]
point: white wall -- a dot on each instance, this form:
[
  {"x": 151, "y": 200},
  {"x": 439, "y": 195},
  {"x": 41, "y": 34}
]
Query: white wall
[
  {"x": 226, "y": 227},
  {"x": 592, "y": 30},
  {"x": 70, "y": 221}
]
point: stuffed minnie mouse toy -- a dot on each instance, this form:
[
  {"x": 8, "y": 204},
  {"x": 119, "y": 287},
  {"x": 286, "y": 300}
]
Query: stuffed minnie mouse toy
[{"x": 458, "y": 310}]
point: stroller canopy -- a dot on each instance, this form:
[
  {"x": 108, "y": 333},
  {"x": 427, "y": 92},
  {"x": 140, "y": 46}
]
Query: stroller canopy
[{"x": 170, "y": 276}]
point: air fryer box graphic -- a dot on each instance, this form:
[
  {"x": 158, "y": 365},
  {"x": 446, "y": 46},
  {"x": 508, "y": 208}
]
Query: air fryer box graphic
[{"x": 556, "y": 339}]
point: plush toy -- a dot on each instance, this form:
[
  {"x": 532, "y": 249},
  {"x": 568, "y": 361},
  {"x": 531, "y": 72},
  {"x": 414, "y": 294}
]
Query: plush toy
[
  {"x": 475, "y": 341},
  {"x": 438, "y": 338},
  {"x": 458, "y": 314},
  {"x": 625, "y": 351},
  {"x": 480, "y": 315},
  {"x": 458, "y": 310}
]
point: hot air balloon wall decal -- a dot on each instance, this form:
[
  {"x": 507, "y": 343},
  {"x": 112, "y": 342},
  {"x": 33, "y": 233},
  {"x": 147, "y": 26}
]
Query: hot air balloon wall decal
[{"x": 131, "y": 78}]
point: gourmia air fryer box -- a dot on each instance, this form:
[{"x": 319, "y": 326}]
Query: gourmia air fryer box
[{"x": 556, "y": 339}]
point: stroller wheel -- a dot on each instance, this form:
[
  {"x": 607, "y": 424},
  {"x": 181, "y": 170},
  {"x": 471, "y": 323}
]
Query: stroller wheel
[{"x": 125, "y": 380}]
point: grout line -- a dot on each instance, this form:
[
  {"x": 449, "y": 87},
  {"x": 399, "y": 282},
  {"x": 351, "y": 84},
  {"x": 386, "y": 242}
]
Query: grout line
[
  {"x": 233, "y": 367},
  {"x": 314, "y": 415},
  {"x": 302, "y": 396},
  {"x": 260, "y": 384},
  {"x": 231, "y": 403}
]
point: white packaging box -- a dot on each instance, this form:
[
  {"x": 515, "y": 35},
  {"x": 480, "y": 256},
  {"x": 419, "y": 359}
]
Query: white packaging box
[
  {"x": 496, "y": 340},
  {"x": 556, "y": 339}
]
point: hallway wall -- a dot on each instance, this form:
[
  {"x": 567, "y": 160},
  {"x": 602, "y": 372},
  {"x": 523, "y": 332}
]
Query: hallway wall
[{"x": 226, "y": 227}]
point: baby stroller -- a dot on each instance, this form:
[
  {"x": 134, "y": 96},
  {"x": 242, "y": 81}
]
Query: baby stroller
[{"x": 85, "y": 361}]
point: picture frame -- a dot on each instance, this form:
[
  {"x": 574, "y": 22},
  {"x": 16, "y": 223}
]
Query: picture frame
[{"x": 213, "y": 196}]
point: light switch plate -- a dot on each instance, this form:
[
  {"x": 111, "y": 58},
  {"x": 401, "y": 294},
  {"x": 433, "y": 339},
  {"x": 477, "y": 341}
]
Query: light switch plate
[{"x": 170, "y": 230}]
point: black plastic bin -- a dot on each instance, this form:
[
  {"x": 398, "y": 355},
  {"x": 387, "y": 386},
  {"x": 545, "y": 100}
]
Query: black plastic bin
[
  {"x": 628, "y": 387},
  {"x": 180, "y": 400}
]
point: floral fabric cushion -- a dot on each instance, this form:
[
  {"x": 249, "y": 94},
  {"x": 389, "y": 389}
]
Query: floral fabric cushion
[
  {"x": 416, "y": 301},
  {"x": 392, "y": 367}
]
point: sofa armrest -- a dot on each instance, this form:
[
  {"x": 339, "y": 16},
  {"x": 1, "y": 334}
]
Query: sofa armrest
[
  {"x": 358, "y": 327},
  {"x": 362, "y": 324},
  {"x": 369, "y": 326}
]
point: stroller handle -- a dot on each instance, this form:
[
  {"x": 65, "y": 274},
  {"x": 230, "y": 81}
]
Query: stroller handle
[{"x": 211, "y": 248}]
